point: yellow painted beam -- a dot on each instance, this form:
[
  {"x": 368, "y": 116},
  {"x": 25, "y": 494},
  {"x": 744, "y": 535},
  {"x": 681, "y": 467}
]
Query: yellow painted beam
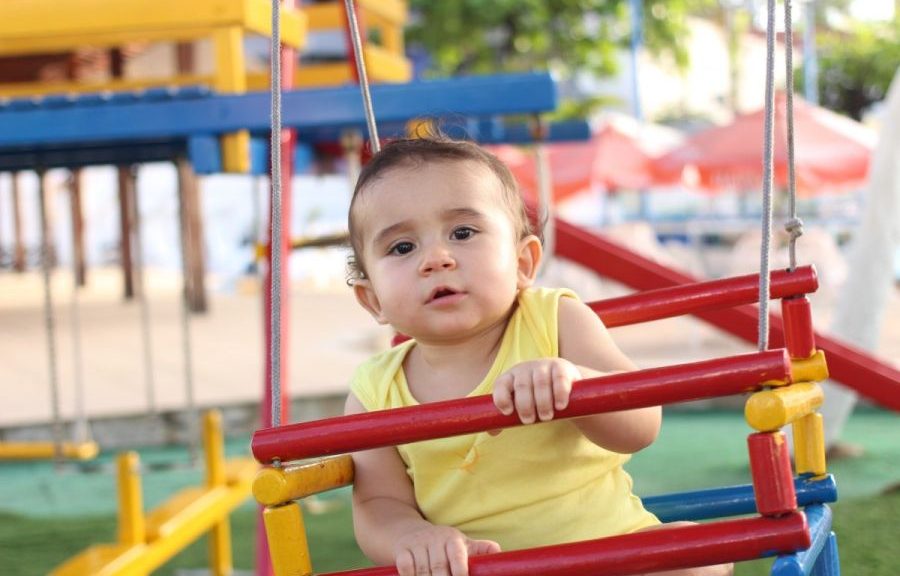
[
  {"x": 274, "y": 486},
  {"x": 135, "y": 20},
  {"x": 809, "y": 445},
  {"x": 769, "y": 410},
  {"x": 231, "y": 78},
  {"x": 317, "y": 75},
  {"x": 214, "y": 448},
  {"x": 48, "y": 450},
  {"x": 384, "y": 66},
  {"x": 132, "y": 527},
  {"x": 394, "y": 11},
  {"x": 24, "y": 89},
  {"x": 288, "y": 547},
  {"x": 324, "y": 16},
  {"x": 100, "y": 560}
]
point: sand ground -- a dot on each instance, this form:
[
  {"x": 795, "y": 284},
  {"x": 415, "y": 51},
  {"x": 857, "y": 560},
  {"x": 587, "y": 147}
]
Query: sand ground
[{"x": 329, "y": 336}]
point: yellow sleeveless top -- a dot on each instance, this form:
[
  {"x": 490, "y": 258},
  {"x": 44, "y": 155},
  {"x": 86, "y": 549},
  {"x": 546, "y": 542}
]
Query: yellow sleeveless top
[{"x": 529, "y": 486}]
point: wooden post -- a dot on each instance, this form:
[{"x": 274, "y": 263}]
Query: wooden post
[
  {"x": 126, "y": 181},
  {"x": 77, "y": 229},
  {"x": 126, "y": 198},
  {"x": 49, "y": 217},
  {"x": 190, "y": 213},
  {"x": 18, "y": 244},
  {"x": 192, "y": 235}
]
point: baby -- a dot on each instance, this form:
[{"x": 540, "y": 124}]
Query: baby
[{"x": 443, "y": 251}]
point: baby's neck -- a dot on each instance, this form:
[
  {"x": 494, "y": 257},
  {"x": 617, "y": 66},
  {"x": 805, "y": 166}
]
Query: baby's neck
[{"x": 444, "y": 370}]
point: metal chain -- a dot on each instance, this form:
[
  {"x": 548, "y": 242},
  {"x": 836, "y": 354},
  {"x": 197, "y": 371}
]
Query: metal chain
[{"x": 82, "y": 430}]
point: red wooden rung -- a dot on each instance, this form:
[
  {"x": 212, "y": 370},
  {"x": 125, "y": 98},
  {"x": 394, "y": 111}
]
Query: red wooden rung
[
  {"x": 770, "y": 467},
  {"x": 643, "y": 552},
  {"x": 799, "y": 338},
  {"x": 695, "y": 297},
  {"x": 624, "y": 391}
]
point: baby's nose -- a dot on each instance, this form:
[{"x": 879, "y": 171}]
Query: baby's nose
[{"x": 438, "y": 258}]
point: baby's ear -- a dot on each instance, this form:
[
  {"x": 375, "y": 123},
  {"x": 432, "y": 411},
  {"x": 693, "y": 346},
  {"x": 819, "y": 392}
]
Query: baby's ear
[
  {"x": 367, "y": 298},
  {"x": 529, "y": 259}
]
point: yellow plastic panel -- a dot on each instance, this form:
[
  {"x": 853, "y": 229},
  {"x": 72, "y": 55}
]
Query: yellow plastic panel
[
  {"x": 288, "y": 547},
  {"x": 323, "y": 75},
  {"x": 809, "y": 445},
  {"x": 769, "y": 410},
  {"x": 275, "y": 486}
]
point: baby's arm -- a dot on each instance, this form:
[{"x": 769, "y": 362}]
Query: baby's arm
[
  {"x": 584, "y": 341},
  {"x": 388, "y": 525},
  {"x": 536, "y": 389}
]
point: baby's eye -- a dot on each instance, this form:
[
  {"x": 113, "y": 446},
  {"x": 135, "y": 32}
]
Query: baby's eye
[
  {"x": 401, "y": 248},
  {"x": 463, "y": 233}
]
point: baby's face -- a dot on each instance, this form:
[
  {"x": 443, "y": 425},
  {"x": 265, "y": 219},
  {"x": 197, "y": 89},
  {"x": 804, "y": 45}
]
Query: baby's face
[{"x": 442, "y": 258}]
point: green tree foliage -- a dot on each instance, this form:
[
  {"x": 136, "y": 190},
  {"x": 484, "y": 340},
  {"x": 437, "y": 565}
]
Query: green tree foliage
[
  {"x": 482, "y": 36},
  {"x": 856, "y": 68}
]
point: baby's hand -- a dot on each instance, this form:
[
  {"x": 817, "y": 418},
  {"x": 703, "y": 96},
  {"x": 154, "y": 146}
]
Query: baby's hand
[
  {"x": 438, "y": 551},
  {"x": 535, "y": 389}
]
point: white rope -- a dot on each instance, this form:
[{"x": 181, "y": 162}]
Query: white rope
[
  {"x": 768, "y": 172},
  {"x": 275, "y": 237},
  {"x": 794, "y": 224},
  {"x": 374, "y": 142}
]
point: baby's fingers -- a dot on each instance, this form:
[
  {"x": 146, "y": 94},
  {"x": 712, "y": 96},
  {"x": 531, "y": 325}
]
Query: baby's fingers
[
  {"x": 479, "y": 547},
  {"x": 563, "y": 375},
  {"x": 503, "y": 394},
  {"x": 458, "y": 557}
]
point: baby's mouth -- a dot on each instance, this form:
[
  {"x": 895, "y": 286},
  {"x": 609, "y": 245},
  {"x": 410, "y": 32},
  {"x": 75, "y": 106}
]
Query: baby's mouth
[{"x": 441, "y": 292}]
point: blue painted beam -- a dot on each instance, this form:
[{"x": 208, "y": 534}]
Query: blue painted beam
[
  {"x": 802, "y": 563},
  {"x": 162, "y": 115},
  {"x": 732, "y": 500}
]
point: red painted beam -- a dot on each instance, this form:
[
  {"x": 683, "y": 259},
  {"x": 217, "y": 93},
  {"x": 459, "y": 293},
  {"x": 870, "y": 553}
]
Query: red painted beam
[
  {"x": 643, "y": 552},
  {"x": 847, "y": 364},
  {"x": 701, "y": 296},
  {"x": 624, "y": 391}
]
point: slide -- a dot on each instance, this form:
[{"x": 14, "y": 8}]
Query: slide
[{"x": 847, "y": 364}]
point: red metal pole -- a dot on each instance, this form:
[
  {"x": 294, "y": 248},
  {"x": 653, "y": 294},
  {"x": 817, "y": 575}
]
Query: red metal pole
[
  {"x": 770, "y": 467},
  {"x": 847, "y": 364},
  {"x": 701, "y": 296},
  {"x": 624, "y": 391},
  {"x": 643, "y": 552},
  {"x": 283, "y": 244}
]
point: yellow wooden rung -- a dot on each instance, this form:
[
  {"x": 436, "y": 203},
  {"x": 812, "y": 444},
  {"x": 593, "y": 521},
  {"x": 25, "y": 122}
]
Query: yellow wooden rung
[
  {"x": 48, "y": 450},
  {"x": 769, "y": 410},
  {"x": 809, "y": 445},
  {"x": 274, "y": 486},
  {"x": 99, "y": 560},
  {"x": 288, "y": 547},
  {"x": 812, "y": 369},
  {"x": 240, "y": 470}
]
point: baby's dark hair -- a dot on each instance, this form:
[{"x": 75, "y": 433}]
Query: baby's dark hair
[{"x": 411, "y": 152}]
